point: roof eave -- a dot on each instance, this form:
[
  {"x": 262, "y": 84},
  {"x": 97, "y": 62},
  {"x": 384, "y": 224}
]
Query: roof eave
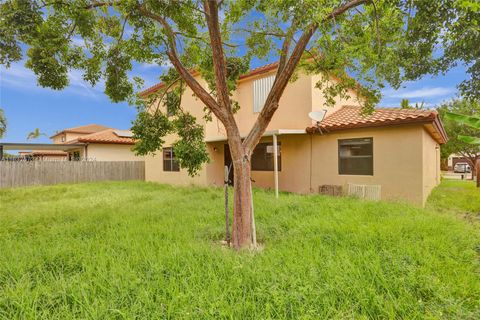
[{"x": 433, "y": 119}]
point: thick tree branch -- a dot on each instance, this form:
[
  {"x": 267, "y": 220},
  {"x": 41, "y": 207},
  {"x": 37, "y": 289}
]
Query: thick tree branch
[
  {"x": 281, "y": 80},
  {"x": 219, "y": 66},
  {"x": 286, "y": 46},
  {"x": 220, "y": 70},
  {"x": 199, "y": 91}
]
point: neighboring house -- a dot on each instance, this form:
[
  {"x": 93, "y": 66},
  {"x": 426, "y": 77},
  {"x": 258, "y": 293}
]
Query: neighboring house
[
  {"x": 453, "y": 159},
  {"x": 392, "y": 148},
  {"x": 98, "y": 143},
  {"x": 44, "y": 155}
]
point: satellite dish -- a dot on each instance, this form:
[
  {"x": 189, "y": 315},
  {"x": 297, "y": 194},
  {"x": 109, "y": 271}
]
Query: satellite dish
[{"x": 317, "y": 115}]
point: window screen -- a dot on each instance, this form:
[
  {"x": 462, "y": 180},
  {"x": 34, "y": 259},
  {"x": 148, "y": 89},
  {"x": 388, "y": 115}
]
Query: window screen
[
  {"x": 262, "y": 157},
  {"x": 169, "y": 162},
  {"x": 355, "y": 156},
  {"x": 261, "y": 89}
]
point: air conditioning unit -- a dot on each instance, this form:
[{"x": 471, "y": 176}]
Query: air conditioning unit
[
  {"x": 365, "y": 191},
  {"x": 330, "y": 190}
]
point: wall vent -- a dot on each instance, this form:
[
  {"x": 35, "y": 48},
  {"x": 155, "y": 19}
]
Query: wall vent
[{"x": 365, "y": 191}]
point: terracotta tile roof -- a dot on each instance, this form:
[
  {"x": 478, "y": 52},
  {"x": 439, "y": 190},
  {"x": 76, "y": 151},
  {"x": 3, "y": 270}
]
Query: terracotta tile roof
[
  {"x": 263, "y": 69},
  {"x": 351, "y": 117},
  {"x": 107, "y": 136},
  {"x": 89, "y": 128},
  {"x": 251, "y": 73}
]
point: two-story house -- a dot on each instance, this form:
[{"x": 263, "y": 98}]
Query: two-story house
[
  {"x": 98, "y": 143},
  {"x": 396, "y": 151}
]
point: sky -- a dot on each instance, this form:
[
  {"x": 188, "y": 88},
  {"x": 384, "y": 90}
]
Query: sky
[{"x": 28, "y": 106}]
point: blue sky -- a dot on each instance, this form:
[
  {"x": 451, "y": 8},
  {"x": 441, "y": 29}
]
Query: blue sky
[{"x": 28, "y": 106}]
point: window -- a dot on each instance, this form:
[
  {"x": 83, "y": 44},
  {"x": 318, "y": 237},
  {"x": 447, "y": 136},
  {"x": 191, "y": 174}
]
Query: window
[
  {"x": 169, "y": 162},
  {"x": 74, "y": 156},
  {"x": 355, "y": 156},
  {"x": 262, "y": 157},
  {"x": 261, "y": 89},
  {"x": 63, "y": 138}
]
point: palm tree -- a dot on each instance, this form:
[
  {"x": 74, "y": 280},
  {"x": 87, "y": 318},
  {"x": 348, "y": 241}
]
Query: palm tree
[
  {"x": 3, "y": 123},
  {"x": 35, "y": 134}
]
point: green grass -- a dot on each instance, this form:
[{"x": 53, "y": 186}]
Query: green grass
[
  {"x": 456, "y": 196},
  {"x": 148, "y": 251}
]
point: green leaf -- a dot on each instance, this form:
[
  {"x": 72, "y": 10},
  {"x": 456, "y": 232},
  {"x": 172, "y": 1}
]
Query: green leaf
[
  {"x": 471, "y": 121},
  {"x": 469, "y": 139}
]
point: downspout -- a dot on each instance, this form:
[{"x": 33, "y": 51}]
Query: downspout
[
  {"x": 85, "y": 152},
  {"x": 275, "y": 163},
  {"x": 311, "y": 160}
]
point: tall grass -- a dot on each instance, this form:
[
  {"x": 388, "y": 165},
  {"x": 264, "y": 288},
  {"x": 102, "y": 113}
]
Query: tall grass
[
  {"x": 456, "y": 196},
  {"x": 149, "y": 251}
]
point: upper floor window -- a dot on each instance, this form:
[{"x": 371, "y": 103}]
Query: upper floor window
[
  {"x": 355, "y": 156},
  {"x": 261, "y": 89},
  {"x": 63, "y": 138},
  {"x": 169, "y": 161},
  {"x": 262, "y": 157}
]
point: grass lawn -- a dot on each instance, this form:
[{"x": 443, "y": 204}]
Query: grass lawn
[
  {"x": 148, "y": 251},
  {"x": 456, "y": 196}
]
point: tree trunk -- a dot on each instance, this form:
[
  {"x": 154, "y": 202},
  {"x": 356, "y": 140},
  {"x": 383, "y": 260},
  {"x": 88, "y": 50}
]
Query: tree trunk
[
  {"x": 242, "y": 209},
  {"x": 478, "y": 172}
]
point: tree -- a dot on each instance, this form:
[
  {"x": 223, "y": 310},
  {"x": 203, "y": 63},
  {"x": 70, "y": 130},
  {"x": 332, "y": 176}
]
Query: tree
[
  {"x": 474, "y": 141},
  {"x": 457, "y": 131},
  {"x": 363, "y": 43},
  {"x": 3, "y": 123},
  {"x": 35, "y": 134},
  {"x": 405, "y": 104}
]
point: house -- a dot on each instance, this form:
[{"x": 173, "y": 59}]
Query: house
[
  {"x": 396, "y": 152},
  {"x": 97, "y": 142},
  {"x": 44, "y": 155},
  {"x": 454, "y": 158}
]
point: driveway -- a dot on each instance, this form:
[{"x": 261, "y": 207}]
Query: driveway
[{"x": 456, "y": 176}]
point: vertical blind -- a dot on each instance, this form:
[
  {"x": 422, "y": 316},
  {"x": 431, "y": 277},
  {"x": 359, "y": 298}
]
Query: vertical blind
[{"x": 261, "y": 89}]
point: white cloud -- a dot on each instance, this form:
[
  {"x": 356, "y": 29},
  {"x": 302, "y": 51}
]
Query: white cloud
[
  {"x": 425, "y": 92},
  {"x": 19, "y": 77},
  {"x": 165, "y": 64}
]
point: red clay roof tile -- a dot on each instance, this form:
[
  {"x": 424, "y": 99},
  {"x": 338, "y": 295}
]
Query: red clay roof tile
[
  {"x": 351, "y": 117},
  {"x": 105, "y": 136}
]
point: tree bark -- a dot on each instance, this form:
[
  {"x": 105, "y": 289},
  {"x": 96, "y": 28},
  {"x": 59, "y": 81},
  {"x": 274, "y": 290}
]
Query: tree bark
[
  {"x": 242, "y": 206},
  {"x": 477, "y": 167}
]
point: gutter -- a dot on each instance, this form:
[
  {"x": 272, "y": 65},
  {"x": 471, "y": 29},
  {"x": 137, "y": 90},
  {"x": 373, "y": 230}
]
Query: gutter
[{"x": 269, "y": 133}]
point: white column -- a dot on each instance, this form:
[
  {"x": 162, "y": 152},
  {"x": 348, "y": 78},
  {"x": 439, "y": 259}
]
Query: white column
[{"x": 275, "y": 163}]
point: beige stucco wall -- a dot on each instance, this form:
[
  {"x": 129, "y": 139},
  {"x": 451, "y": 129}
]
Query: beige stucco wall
[
  {"x": 397, "y": 161},
  {"x": 400, "y": 153},
  {"x": 68, "y": 137},
  {"x": 431, "y": 164},
  {"x": 299, "y": 98},
  {"x": 404, "y": 164},
  {"x": 111, "y": 152},
  {"x": 311, "y": 161}
]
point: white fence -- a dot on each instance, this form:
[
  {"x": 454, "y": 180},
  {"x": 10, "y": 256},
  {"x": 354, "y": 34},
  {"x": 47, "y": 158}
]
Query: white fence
[{"x": 27, "y": 173}]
